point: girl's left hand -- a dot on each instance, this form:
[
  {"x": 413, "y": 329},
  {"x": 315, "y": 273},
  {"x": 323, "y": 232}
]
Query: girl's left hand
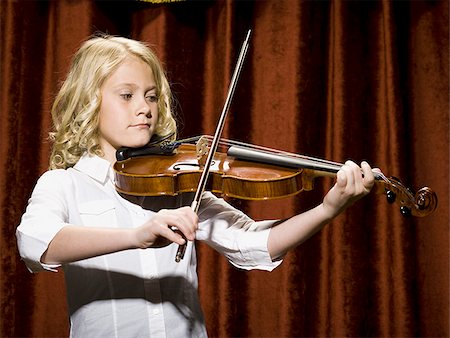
[{"x": 352, "y": 183}]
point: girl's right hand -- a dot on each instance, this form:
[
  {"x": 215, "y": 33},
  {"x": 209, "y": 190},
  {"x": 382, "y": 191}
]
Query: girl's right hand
[{"x": 166, "y": 227}]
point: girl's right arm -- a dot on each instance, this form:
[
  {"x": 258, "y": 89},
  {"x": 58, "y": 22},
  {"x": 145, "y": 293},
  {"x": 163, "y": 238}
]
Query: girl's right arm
[
  {"x": 73, "y": 243},
  {"x": 45, "y": 240}
]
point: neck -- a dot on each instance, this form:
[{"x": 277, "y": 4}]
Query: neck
[
  {"x": 110, "y": 156},
  {"x": 109, "y": 152}
]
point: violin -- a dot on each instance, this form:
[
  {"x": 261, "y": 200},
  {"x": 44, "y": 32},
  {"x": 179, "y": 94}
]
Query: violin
[{"x": 242, "y": 171}]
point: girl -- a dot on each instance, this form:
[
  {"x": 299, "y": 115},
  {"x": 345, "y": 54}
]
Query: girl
[{"x": 118, "y": 256}]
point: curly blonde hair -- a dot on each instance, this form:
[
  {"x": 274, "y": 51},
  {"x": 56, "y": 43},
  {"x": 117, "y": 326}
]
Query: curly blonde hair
[{"x": 75, "y": 111}]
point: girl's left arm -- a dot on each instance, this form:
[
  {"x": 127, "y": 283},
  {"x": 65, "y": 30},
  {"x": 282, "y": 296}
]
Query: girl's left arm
[{"x": 352, "y": 183}]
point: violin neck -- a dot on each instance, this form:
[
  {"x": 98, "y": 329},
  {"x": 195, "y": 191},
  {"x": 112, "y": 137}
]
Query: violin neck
[
  {"x": 321, "y": 167},
  {"x": 282, "y": 160}
]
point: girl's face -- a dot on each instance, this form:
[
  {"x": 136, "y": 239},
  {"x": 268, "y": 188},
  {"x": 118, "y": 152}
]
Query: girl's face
[{"x": 129, "y": 107}]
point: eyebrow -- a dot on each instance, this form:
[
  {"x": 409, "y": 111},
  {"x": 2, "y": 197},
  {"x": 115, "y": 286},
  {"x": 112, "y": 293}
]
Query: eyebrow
[{"x": 133, "y": 85}]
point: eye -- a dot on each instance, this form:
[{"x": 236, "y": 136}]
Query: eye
[
  {"x": 127, "y": 96},
  {"x": 152, "y": 98}
]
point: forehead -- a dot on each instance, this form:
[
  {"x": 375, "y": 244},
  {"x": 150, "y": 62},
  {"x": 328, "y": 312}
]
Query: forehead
[{"x": 132, "y": 70}]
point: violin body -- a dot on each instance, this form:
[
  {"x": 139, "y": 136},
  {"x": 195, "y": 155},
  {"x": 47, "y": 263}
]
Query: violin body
[{"x": 180, "y": 172}]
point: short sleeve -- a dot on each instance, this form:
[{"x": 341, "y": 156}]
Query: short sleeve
[
  {"x": 239, "y": 238},
  {"x": 45, "y": 215}
]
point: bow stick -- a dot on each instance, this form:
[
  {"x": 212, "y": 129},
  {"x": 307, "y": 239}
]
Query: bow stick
[{"x": 215, "y": 142}]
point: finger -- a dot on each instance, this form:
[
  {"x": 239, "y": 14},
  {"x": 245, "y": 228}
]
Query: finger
[
  {"x": 341, "y": 178},
  {"x": 369, "y": 178},
  {"x": 181, "y": 221},
  {"x": 163, "y": 230},
  {"x": 350, "y": 169},
  {"x": 173, "y": 235},
  {"x": 190, "y": 220},
  {"x": 363, "y": 178},
  {"x": 191, "y": 215},
  {"x": 187, "y": 214}
]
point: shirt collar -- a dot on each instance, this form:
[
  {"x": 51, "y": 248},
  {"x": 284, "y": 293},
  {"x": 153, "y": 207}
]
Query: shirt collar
[{"x": 96, "y": 167}]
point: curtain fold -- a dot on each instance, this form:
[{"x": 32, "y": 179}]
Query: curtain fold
[{"x": 360, "y": 80}]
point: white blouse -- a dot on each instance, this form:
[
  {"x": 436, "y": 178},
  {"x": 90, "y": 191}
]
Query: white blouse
[{"x": 132, "y": 293}]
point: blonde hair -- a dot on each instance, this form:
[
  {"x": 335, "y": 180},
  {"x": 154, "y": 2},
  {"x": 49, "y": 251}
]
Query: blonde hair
[{"x": 75, "y": 111}]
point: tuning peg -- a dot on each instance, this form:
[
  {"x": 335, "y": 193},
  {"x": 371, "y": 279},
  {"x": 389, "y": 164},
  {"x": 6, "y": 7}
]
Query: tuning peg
[
  {"x": 405, "y": 211},
  {"x": 390, "y": 196}
]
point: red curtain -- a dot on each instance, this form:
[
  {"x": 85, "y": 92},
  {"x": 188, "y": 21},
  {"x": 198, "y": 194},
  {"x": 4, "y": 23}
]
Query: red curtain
[{"x": 330, "y": 79}]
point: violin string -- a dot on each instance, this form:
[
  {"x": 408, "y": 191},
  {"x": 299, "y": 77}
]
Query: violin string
[
  {"x": 337, "y": 165},
  {"x": 227, "y": 142},
  {"x": 276, "y": 151}
]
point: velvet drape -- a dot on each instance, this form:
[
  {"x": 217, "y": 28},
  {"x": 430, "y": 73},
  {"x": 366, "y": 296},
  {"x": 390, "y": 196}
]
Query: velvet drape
[{"x": 361, "y": 80}]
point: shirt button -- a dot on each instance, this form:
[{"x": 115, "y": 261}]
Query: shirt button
[{"x": 155, "y": 311}]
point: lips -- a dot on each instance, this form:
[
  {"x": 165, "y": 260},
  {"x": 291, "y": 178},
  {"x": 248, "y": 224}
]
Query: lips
[{"x": 141, "y": 125}]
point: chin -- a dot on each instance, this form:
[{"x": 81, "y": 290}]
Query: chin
[
  {"x": 136, "y": 140},
  {"x": 137, "y": 144},
  {"x": 134, "y": 145}
]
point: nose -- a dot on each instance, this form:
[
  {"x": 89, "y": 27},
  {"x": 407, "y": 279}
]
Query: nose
[{"x": 144, "y": 108}]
